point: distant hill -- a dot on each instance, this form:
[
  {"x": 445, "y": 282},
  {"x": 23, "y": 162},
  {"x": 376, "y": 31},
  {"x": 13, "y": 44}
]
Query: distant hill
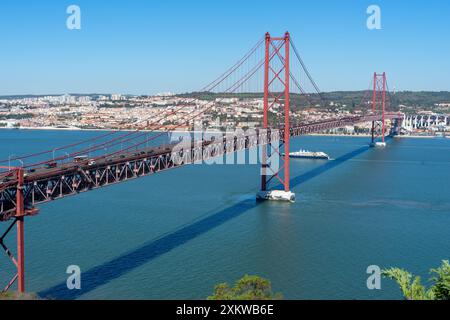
[
  {"x": 351, "y": 99},
  {"x": 25, "y": 96}
]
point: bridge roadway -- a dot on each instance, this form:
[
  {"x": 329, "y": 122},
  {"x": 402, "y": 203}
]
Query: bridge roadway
[{"x": 42, "y": 184}]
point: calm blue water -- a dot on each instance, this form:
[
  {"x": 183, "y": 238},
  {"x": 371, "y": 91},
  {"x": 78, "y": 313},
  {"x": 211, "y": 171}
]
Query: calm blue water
[{"x": 176, "y": 234}]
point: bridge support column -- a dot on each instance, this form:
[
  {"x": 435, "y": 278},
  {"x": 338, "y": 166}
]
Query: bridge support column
[
  {"x": 20, "y": 215},
  {"x": 274, "y": 50},
  {"x": 266, "y": 114},
  {"x": 373, "y": 133},
  {"x": 379, "y": 100},
  {"x": 383, "y": 106},
  {"x": 20, "y": 255},
  {"x": 287, "y": 128},
  {"x": 19, "y": 260}
]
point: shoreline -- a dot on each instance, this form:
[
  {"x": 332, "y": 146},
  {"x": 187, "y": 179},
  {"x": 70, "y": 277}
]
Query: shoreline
[
  {"x": 183, "y": 131},
  {"x": 368, "y": 136},
  {"x": 80, "y": 129}
]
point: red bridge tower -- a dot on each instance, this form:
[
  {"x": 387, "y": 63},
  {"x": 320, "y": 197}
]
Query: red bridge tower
[{"x": 276, "y": 94}]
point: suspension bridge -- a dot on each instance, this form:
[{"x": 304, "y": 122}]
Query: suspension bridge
[{"x": 42, "y": 177}]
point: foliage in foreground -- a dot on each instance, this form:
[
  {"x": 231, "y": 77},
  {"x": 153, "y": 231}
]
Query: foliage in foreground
[
  {"x": 247, "y": 288},
  {"x": 413, "y": 289},
  {"x": 17, "y": 296}
]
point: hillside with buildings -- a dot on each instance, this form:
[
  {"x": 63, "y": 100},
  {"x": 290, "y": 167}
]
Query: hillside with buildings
[{"x": 244, "y": 110}]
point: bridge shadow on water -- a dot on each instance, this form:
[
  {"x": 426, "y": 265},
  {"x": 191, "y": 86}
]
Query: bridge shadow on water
[{"x": 117, "y": 267}]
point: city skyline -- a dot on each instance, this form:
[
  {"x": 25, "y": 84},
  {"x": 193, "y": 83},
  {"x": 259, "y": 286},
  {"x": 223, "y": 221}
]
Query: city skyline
[{"x": 142, "y": 49}]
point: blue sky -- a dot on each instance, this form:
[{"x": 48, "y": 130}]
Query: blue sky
[{"x": 145, "y": 47}]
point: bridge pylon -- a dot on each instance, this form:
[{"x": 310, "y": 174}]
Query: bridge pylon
[
  {"x": 276, "y": 95},
  {"x": 379, "y": 105},
  {"x": 18, "y": 260}
]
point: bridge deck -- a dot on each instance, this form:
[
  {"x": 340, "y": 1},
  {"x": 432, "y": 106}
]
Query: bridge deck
[{"x": 48, "y": 184}]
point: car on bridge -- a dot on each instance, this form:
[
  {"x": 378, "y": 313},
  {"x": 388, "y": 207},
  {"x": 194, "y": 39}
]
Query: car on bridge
[
  {"x": 9, "y": 176},
  {"x": 80, "y": 159},
  {"x": 51, "y": 165}
]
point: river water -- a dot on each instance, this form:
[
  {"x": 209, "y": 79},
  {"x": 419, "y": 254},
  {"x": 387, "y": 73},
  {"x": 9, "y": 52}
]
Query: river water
[{"x": 176, "y": 234}]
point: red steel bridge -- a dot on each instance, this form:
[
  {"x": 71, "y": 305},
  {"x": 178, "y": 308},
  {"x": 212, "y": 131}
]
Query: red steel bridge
[{"x": 42, "y": 177}]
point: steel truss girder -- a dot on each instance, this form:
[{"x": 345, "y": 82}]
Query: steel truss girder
[{"x": 77, "y": 181}]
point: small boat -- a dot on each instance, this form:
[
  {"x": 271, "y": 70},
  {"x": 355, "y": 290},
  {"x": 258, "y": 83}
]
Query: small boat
[{"x": 304, "y": 154}]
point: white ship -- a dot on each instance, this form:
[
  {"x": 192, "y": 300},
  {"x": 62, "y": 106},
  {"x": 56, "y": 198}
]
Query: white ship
[{"x": 304, "y": 154}]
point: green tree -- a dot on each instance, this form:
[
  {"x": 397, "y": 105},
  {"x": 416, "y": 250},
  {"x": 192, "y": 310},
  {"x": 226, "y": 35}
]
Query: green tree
[
  {"x": 441, "y": 281},
  {"x": 247, "y": 288},
  {"x": 412, "y": 287},
  {"x": 11, "y": 295}
]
